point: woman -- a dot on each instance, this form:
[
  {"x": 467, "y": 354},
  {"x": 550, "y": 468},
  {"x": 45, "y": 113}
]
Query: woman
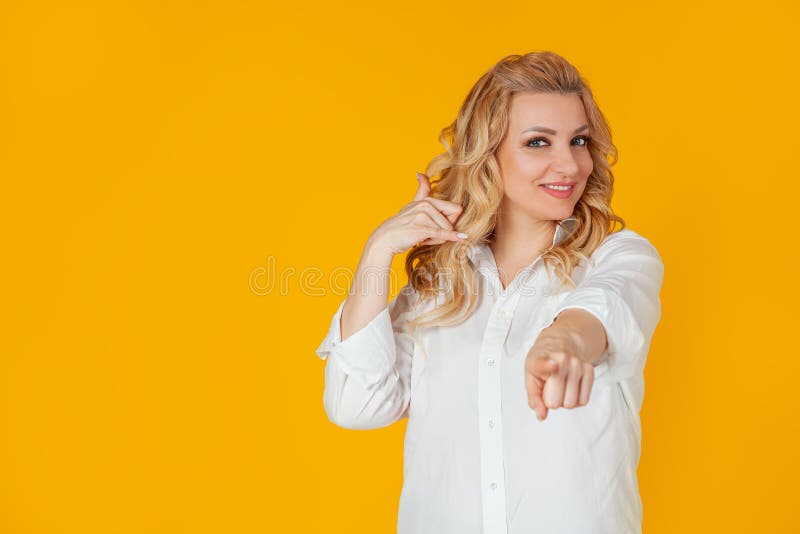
[{"x": 517, "y": 348}]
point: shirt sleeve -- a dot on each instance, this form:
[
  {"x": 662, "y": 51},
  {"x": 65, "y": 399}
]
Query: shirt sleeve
[
  {"x": 622, "y": 289},
  {"x": 367, "y": 376}
]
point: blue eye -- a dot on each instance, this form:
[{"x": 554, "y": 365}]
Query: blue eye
[
  {"x": 535, "y": 139},
  {"x": 584, "y": 138}
]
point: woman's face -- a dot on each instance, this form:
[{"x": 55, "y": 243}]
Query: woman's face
[{"x": 546, "y": 143}]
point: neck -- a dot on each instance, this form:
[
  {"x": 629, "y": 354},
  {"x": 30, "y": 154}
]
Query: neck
[{"x": 520, "y": 239}]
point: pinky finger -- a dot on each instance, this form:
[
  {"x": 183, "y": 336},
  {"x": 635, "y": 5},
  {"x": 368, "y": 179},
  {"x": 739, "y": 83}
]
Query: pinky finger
[
  {"x": 440, "y": 235},
  {"x": 448, "y": 235}
]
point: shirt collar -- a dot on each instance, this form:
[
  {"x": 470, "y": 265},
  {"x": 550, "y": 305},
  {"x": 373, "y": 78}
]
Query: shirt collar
[{"x": 481, "y": 251}]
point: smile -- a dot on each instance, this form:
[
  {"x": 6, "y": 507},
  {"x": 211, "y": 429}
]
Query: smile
[
  {"x": 558, "y": 191},
  {"x": 560, "y": 187}
]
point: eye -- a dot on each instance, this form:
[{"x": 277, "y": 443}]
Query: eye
[
  {"x": 583, "y": 141},
  {"x": 534, "y": 140},
  {"x": 584, "y": 138}
]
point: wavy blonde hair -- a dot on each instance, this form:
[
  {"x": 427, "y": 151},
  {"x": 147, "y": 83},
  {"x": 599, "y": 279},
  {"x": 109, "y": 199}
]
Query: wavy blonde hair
[{"x": 468, "y": 174}]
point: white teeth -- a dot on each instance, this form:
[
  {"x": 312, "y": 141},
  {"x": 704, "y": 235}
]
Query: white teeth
[{"x": 559, "y": 187}]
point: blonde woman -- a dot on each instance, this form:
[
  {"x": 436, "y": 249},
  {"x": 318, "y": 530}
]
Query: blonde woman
[{"x": 517, "y": 348}]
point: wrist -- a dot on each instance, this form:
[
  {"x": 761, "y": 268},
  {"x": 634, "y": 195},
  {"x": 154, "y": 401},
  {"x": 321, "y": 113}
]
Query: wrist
[{"x": 376, "y": 254}]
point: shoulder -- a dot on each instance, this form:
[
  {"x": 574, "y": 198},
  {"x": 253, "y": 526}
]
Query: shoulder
[
  {"x": 407, "y": 301},
  {"x": 625, "y": 244},
  {"x": 627, "y": 239}
]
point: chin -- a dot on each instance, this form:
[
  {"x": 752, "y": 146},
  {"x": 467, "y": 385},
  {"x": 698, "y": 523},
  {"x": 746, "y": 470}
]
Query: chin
[{"x": 552, "y": 214}]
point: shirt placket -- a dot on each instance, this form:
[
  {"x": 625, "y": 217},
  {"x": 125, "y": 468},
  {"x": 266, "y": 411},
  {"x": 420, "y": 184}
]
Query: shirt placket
[{"x": 490, "y": 414}]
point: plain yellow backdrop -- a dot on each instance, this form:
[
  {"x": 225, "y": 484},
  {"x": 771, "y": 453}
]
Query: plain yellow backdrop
[{"x": 161, "y": 159}]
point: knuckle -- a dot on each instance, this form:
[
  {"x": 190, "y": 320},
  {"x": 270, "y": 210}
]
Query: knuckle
[
  {"x": 422, "y": 212},
  {"x": 431, "y": 208}
]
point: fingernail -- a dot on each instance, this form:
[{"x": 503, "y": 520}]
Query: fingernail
[
  {"x": 419, "y": 175},
  {"x": 462, "y": 235}
]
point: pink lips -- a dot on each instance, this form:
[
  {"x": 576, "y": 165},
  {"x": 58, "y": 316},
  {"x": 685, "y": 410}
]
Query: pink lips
[{"x": 559, "y": 194}]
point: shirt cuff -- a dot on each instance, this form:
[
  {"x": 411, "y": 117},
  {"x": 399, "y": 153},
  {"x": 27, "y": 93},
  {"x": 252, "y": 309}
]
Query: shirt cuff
[
  {"x": 367, "y": 355},
  {"x": 627, "y": 349},
  {"x": 622, "y": 334}
]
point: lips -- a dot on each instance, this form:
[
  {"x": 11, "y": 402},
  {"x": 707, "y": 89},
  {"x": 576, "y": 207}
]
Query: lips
[{"x": 560, "y": 192}]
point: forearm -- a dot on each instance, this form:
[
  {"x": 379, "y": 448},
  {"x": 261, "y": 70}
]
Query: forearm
[
  {"x": 369, "y": 293},
  {"x": 587, "y": 331}
]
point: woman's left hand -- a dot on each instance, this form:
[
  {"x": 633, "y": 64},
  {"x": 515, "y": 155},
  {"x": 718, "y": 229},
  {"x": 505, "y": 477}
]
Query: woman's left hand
[{"x": 555, "y": 374}]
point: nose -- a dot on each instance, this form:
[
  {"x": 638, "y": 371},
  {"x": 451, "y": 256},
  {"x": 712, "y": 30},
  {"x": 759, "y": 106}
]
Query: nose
[{"x": 564, "y": 161}]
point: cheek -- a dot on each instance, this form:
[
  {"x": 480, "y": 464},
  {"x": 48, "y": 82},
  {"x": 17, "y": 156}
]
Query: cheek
[
  {"x": 522, "y": 170},
  {"x": 586, "y": 164}
]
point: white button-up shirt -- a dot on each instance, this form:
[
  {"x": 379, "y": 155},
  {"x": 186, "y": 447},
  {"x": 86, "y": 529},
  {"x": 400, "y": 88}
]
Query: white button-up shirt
[{"x": 476, "y": 458}]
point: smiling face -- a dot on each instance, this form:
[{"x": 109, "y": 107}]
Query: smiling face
[{"x": 546, "y": 143}]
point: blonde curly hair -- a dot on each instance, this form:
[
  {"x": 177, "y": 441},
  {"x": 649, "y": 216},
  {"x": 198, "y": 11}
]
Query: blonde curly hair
[{"x": 467, "y": 173}]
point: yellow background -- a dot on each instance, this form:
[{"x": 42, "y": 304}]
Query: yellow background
[{"x": 156, "y": 155}]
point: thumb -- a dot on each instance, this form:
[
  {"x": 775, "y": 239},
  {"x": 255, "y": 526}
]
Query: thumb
[{"x": 424, "y": 188}]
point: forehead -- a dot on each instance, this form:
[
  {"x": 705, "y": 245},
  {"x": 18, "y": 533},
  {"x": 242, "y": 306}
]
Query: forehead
[{"x": 563, "y": 113}]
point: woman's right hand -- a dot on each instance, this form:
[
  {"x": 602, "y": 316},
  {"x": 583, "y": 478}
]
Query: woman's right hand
[{"x": 424, "y": 220}]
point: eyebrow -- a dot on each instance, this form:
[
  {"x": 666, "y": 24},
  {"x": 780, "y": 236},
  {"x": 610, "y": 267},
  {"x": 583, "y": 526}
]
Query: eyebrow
[{"x": 551, "y": 132}]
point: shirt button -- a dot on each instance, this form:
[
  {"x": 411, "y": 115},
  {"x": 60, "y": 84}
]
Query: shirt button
[
  {"x": 490, "y": 361},
  {"x": 491, "y": 423},
  {"x": 493, "y": 485}
]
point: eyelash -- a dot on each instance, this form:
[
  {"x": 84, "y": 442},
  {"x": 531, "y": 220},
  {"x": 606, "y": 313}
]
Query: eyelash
[{"x": 586, "y": 139}]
